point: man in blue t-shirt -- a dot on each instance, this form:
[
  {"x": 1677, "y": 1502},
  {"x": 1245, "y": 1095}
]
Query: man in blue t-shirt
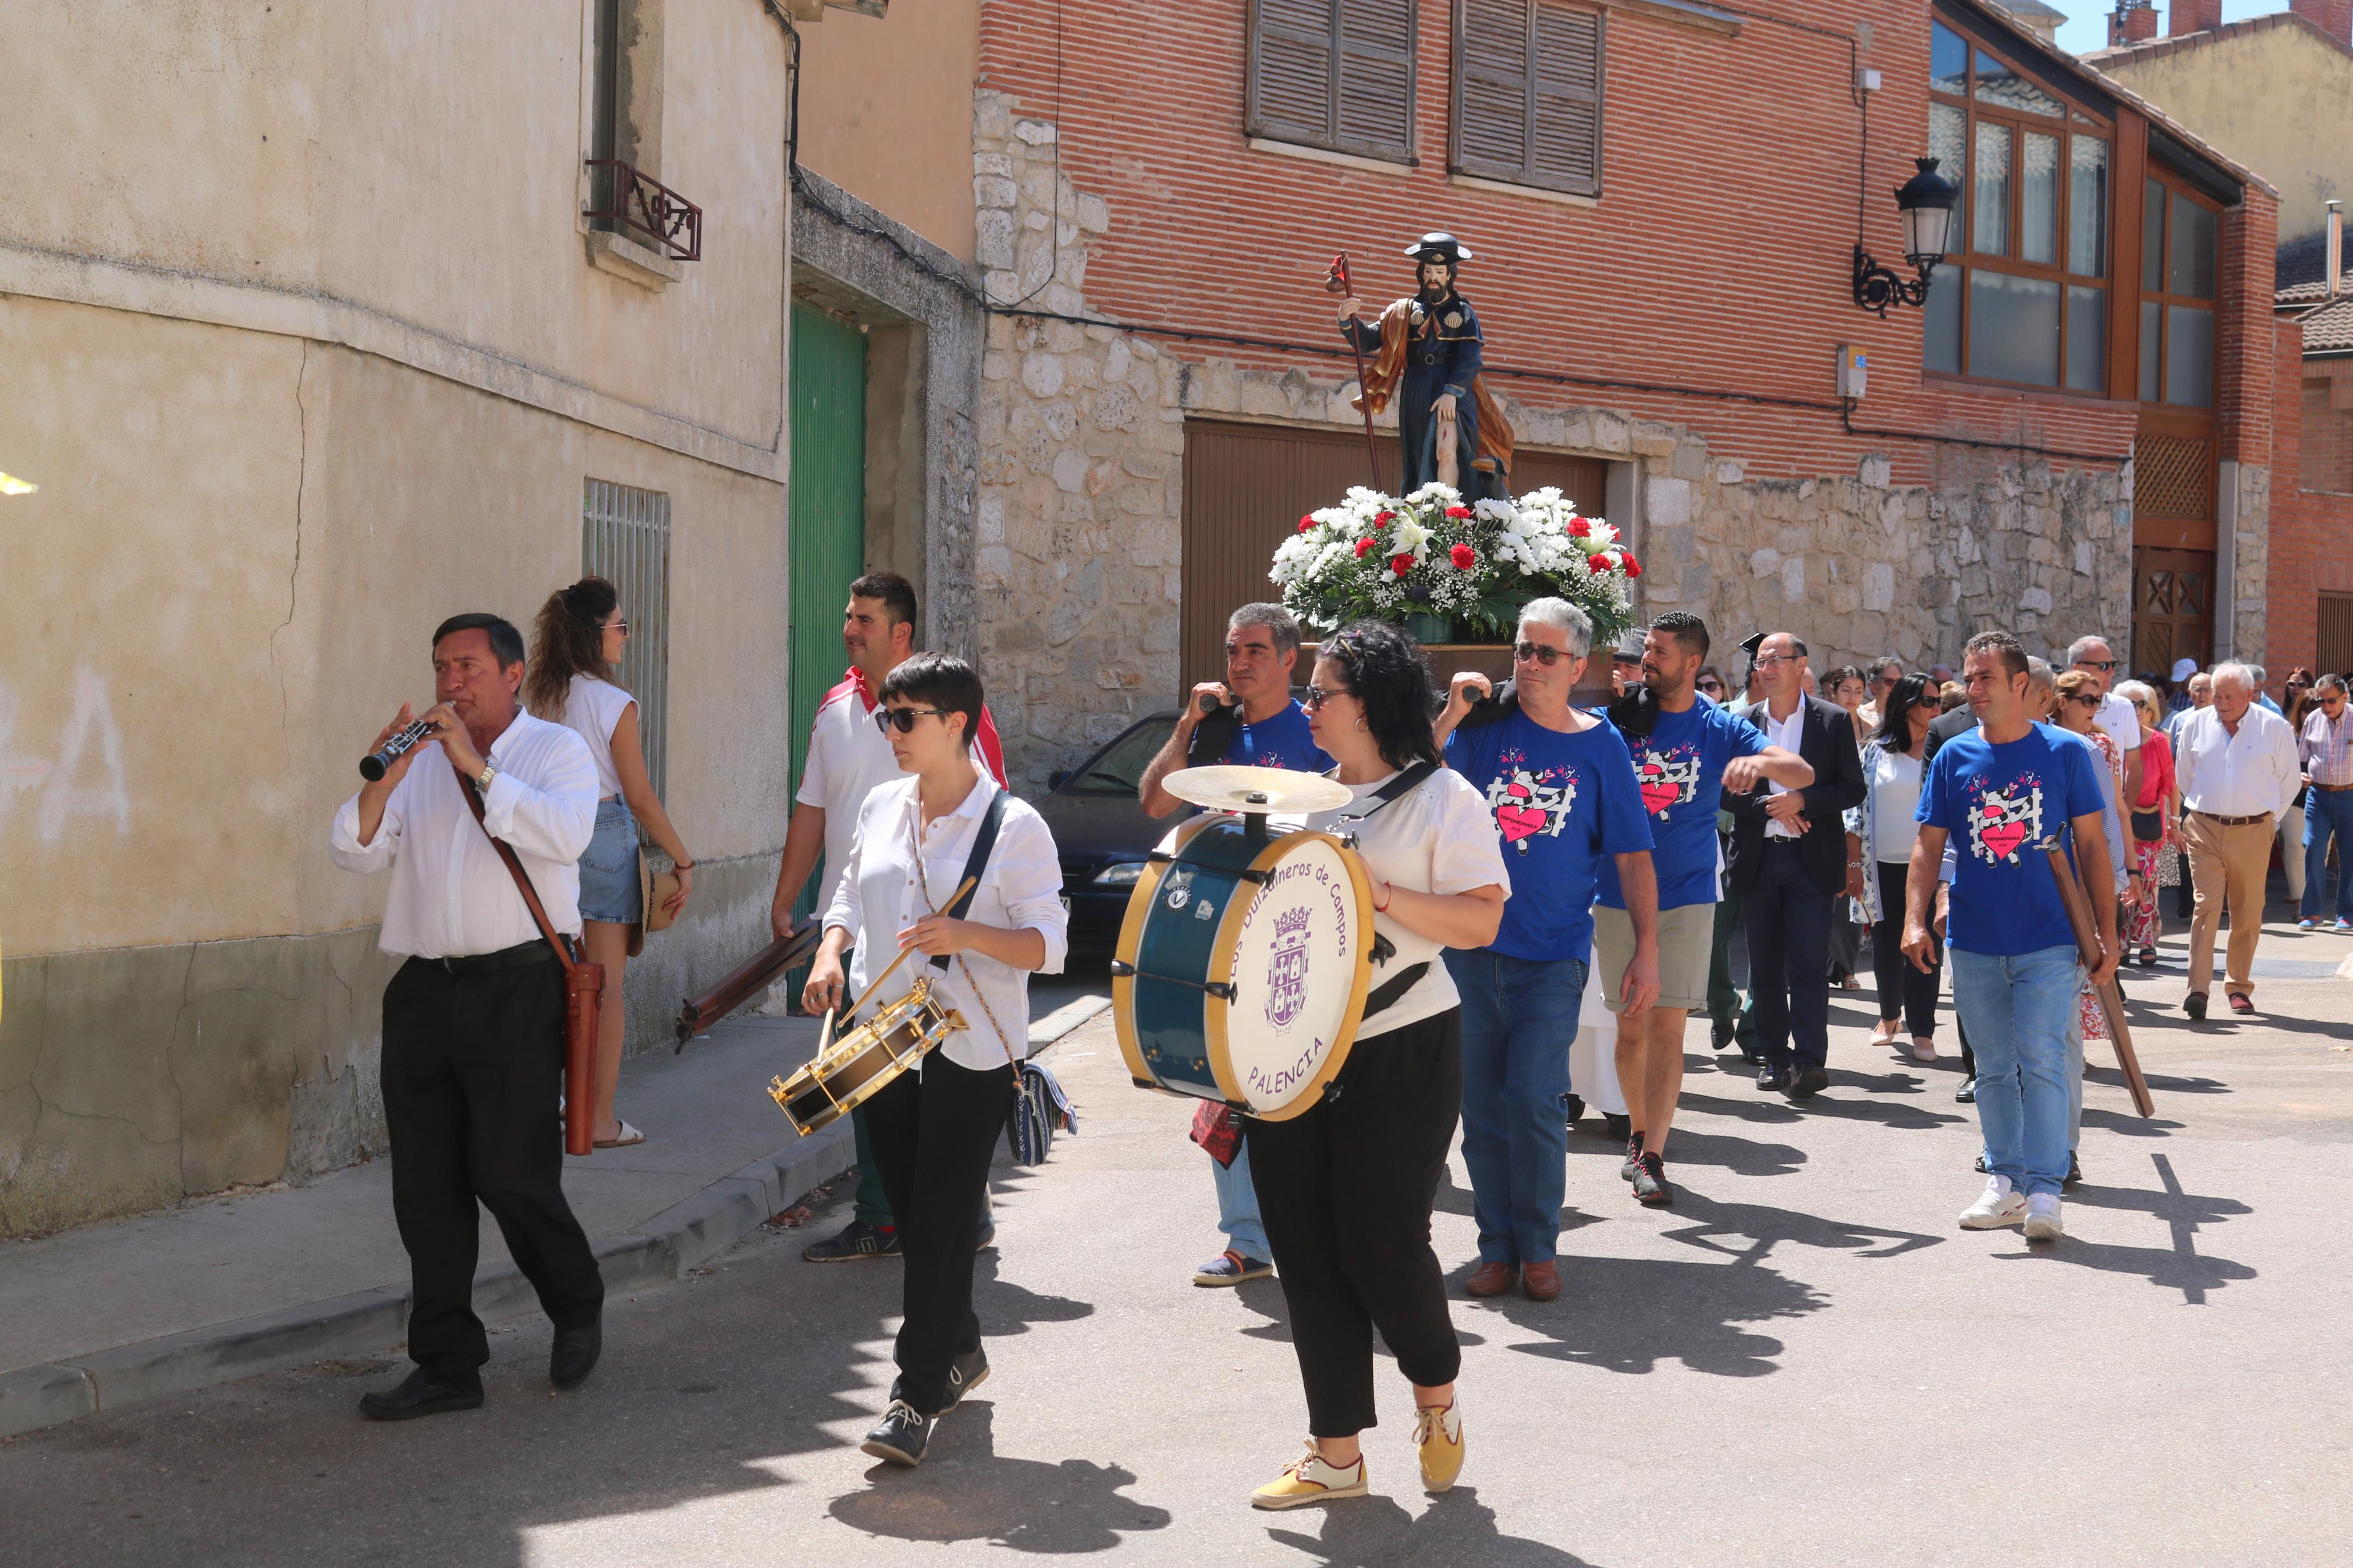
[
  {"x": 2003, "y": 795},
  {"x": 1694, "y": 750},
  {"x": 1562, "y": 792},
  {"x": 1270, "y": 731}
]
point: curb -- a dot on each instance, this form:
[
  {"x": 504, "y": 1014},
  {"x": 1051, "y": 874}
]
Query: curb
[{"x": 685, "y": 1236}]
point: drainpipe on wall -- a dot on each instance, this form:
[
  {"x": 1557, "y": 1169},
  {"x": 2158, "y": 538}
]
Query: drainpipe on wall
[{"x": 2336, "y": 246}]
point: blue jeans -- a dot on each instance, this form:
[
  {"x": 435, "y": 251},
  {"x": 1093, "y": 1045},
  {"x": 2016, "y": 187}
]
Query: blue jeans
[
  {"x": 2019, "y": 1011},
  {"x": 2326, "y": 812},
  {"x": 1237, "y": 1206},
  {"x": 1519, "y": 1018}
]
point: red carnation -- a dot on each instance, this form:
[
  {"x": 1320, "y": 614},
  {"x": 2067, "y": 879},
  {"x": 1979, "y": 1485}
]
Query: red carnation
[
  {"x": 1364, "y": 548},
  {"x": 1383, "y": 519},
  {"x": 1598, "y": 564},
  {"x": 1578, "y": 528},
  {"x": 1305, "y": 523},
  {"x": 1401, "y": 564},
  {"x": 1458, "y": 511},
  {"x": 1464, "y": 557},
  {"x": 1633, "y": 567}
]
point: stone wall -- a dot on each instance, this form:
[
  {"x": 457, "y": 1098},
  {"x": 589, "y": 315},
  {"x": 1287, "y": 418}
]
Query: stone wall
[
  {"x": 2251, "y": 567},
  {"x": 1080, "y": 509}
]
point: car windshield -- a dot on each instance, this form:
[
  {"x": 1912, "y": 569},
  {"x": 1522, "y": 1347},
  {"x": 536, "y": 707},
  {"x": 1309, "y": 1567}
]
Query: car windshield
[{"x": 1119, "y": 770}]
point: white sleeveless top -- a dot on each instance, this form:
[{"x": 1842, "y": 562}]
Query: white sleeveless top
[{"x": 591, "y": 709}]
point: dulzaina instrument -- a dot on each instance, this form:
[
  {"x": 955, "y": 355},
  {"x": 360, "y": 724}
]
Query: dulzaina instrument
[
  {"x": 378, "y": 762},
  {"x": 848, "y": 1073},
  {"x": 1246, "y": 953}
]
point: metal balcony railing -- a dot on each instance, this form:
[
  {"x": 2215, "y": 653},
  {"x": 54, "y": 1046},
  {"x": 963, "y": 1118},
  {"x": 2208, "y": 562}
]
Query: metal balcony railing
[{"x": 642, "y": 204}]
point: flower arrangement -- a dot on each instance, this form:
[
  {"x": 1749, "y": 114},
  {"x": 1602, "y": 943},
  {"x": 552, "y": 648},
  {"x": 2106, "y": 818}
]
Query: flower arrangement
[{"x": 1388, "y": 558}]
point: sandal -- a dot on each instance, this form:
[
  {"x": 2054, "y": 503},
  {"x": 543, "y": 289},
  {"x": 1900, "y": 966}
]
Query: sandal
[{"x": 629, "y": 1137}]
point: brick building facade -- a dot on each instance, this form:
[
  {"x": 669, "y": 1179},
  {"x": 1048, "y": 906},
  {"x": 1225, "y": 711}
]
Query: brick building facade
[
  {"x": 1153, "y": 241},
  {"x": 2311, "y": 620}
]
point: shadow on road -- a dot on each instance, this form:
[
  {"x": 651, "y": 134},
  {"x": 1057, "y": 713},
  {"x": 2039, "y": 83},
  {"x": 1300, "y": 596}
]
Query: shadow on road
[
  {"x": 965, "y": 1491},
  {"x": 1772, "y": 1110},
  {"x": 2179, "y": 1267},
  {"x": 1767, "y": 1227},
  {"x": 1691, "y": 1313},
  {"x": 1455, "y": 1528}
]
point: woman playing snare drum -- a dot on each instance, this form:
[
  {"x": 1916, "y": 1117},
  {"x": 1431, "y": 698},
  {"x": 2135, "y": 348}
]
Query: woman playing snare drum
[{"x": 1346, "y": 1189}]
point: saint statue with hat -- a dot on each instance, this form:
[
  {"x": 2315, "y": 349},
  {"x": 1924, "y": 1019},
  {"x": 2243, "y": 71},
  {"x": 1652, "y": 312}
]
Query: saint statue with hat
[{"x": 1426, "y": 354}]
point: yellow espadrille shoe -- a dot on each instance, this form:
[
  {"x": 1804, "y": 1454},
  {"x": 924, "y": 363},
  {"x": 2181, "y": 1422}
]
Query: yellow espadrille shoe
[
  {"x": 1308, "y": 1479},
  {"x": 1438, "y": 1435}
]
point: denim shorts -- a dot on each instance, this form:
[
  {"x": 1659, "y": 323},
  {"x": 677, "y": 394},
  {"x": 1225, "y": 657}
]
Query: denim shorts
[{"x": 609, "y": 868}]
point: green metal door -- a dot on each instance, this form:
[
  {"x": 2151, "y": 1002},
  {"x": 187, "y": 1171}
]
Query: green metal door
[{"x": 829, "y": 511}]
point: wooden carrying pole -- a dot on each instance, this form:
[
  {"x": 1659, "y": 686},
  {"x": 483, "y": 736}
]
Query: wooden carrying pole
[
  {"x": 2112, "y": 999},
  {"x": 697, "y": 1014}
]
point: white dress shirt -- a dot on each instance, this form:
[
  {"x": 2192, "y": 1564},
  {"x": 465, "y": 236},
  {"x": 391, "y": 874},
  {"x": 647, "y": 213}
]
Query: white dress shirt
[
  {"x": 451, "y": 894},
  {"x": 1789, "y": 734},
  {"x": 2254, "y": 773},
  {"x": 883, "y": 891}
]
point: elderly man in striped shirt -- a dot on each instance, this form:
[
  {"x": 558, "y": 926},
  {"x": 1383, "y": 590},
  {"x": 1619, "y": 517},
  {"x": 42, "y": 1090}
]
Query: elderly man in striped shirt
[{"x": 2325, "y": 747}]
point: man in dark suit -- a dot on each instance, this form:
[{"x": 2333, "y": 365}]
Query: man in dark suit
[{"x": 1788, "y": 863}]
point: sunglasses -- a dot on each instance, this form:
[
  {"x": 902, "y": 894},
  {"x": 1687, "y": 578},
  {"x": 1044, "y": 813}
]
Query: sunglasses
[
  {"x": 2088, "y": 699},
  {"x": 2102, "y": 665},
  {"x": 1317, "y": 697},
  {"x": 1711, "y": 684},
  {"x": 904, "y": 719},
  {"x": 1536, "y": 653},
  {"x": 621, "y": 625}
]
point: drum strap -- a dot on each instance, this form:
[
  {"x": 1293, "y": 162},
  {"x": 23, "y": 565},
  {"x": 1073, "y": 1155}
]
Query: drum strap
[{"x": 1387, "y": 993}]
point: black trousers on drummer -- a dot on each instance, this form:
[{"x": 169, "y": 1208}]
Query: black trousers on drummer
[
  {"x": 933, "y": 1136},
  {"x": 472, "y": 1064},
  {"x": 1345, "y": 1191},
  {"x": 1903, "y": 989}
]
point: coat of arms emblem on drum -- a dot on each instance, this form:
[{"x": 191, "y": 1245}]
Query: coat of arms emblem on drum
[{"x": 1286, "y": 969}]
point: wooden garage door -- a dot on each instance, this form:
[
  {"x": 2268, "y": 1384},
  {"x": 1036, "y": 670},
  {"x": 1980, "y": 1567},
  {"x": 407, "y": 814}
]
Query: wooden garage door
[{"x": 1247, "y": 486}]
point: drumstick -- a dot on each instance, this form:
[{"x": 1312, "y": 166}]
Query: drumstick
[
  {"x": 851, "y": 1011},
  {"x": 825, "y": 1034}
]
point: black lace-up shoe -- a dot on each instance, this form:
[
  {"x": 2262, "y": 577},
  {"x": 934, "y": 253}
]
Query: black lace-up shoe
[
  {"x": 902, "y": 1438},
  {"x": 423, "y": 1393}
]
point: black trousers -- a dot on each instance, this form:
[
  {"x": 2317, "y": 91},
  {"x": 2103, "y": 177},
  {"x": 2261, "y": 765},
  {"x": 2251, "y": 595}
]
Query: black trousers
[
  {"x": 1788, "y": 958},
  {"x": 1901, "y": 986},
  {"x": 1345, "y": 1191},
  {"x": 933, "y": 1136},
  {"x": 472, "y": 1067}
]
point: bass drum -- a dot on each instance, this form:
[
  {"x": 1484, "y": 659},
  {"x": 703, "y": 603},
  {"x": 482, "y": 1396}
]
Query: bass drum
[{"x": 1243, "y": 966}]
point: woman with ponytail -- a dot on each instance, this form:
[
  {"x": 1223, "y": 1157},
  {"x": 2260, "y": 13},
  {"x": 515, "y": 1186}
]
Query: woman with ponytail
[{"x": 575, "y": 645}]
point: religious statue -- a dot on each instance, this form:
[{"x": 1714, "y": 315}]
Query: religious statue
[{"x": 1426, "y": 353}]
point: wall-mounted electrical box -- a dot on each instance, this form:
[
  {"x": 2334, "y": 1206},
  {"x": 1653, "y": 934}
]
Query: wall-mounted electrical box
[{"x": 1853, "y": 371}]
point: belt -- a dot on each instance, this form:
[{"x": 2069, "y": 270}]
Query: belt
[
  {"x": 536, "y": 950},
  {"x": 1774, "y": 841},
  {"x": 2232, "y": 821},
  {"x": 2331, "y": 789}
]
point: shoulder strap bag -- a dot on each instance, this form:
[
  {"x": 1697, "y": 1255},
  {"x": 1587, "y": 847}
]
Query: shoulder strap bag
[{"x": 584, "y": 990}]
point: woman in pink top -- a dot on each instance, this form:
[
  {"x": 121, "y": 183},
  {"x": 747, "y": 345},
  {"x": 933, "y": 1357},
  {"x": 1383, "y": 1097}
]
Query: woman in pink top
[{"x": 2154, "y": 817}]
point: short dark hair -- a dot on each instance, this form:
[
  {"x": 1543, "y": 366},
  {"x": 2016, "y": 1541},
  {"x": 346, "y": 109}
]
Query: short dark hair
[
  {"x": 1390, "y": 676},
  {"x": 506, "y": 643},
  {"x": 941, "y": 680},
  {"x": 1687, "y": 628},
  {"x": 2007, "y": 648},
  {"x": 898, "y": 596}
]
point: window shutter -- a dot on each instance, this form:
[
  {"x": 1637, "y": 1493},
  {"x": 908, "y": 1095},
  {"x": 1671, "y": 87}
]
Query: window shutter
[
  {"x": 1293, "y": 52},
  {"x": 1375, "y": 93},
  {"x": 1527, "y": 93}
]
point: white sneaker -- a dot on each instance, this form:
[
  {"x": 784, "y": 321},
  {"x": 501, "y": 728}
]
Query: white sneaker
[
  {"x": 1996, "y": 1207},
  {"x": 2042, "y": 1218}
]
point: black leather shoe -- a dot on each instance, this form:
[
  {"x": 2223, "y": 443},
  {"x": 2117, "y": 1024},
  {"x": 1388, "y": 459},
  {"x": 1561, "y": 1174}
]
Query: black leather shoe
[
  {"x": 574, "y": 1355},
  {"x": 1967, "y": 1093},
  {"x": 901, "y": 1436},
  {"x": 422, "y": 1394},
  {"x": 1770, "y": 1079},
  {"x": 1719, "y": 1034},
  {"x": 1807, "y": 1082},
  {"x": 2074, "y": 1172},
  {"x": 966, "y": 1373},
  {"x": 2194, "y": 1004}
]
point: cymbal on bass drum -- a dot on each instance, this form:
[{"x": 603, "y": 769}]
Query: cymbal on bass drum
[{"x": 1256, "y": 789}]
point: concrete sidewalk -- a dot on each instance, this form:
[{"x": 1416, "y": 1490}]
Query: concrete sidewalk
[{"x": 108, "y": 1315}]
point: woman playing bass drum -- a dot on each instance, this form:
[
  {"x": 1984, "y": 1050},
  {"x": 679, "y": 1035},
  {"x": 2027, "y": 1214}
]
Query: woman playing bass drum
[{"x": 1347, "y": 1187}]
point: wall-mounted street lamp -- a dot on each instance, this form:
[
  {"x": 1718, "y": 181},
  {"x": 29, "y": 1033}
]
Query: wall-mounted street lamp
[{"x": 1925, "y": 203}]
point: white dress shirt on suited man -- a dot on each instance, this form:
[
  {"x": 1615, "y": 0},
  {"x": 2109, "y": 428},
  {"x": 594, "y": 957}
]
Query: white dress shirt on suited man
[
  {"x": 452, "y": 895},
  {"x": 2254, "y": 773},
  {"x": 1020, "y": 889},
  {"x": 1789, "y": 734}
]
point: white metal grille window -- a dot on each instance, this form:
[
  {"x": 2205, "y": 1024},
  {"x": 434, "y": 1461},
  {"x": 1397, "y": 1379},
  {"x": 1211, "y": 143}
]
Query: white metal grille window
[{"x": 624, "y": 539}]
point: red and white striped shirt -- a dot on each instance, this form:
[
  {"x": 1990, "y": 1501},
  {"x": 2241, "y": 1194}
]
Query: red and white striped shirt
[{"x": 2326, "y": 746}]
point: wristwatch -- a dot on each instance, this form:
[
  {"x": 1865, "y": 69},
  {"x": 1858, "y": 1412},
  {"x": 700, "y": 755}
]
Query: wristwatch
[{"x": 483, "y": 780}]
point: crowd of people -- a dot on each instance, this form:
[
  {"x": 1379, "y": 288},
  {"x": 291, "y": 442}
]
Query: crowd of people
[{"x": 1528, "y": 850}]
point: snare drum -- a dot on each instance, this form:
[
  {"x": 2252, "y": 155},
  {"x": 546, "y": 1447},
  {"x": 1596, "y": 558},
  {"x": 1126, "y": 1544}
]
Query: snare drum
[
  {"x": 1243, "y": 964},
  {"x": 859, "y": 1064}
]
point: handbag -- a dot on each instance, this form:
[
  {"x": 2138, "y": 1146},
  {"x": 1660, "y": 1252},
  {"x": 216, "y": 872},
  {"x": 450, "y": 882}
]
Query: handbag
[
  {"x": 584, "y": 992},
  {"x": 2169, "y": 864},
  {"x": 1217, "y": 1131}
]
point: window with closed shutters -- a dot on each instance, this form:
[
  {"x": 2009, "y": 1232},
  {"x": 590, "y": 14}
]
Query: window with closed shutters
[
  {"x": 1527, "y": 94},
  {"x": 624, "y": 539},
  {"x": 2332, "y": 650},
  {"x": 1336, "y": 74}
]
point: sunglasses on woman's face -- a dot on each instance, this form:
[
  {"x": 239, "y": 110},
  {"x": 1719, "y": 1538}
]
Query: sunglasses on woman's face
[
  {"x": 904, "y": 719},
  {"x": 1711, "y": 684},
  {"x": 2088, "y": 699},
  {"x": 1317, "y": 697}
]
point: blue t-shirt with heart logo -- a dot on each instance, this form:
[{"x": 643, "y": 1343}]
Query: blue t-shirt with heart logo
[
  {"x": 1679, "y": 773},
  {"x": 1999, "y": 804},
  {"x": 1562, "y": 804}
]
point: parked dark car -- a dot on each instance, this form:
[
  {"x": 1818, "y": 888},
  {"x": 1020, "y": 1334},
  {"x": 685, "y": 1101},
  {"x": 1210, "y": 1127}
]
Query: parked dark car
[{"x": 1103, "y": 832}]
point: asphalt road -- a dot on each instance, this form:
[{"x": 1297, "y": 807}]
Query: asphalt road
[{"x": 1803, "y": 1362}]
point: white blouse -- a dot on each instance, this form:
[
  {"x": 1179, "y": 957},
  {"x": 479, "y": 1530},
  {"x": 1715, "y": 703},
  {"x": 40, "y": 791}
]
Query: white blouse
[
  {"x": 1895, "y": 785},
  {"x": 1439, "y": 838},
  {"x": 882, "y": 891},
  {"x": 592, "y": 708}
]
